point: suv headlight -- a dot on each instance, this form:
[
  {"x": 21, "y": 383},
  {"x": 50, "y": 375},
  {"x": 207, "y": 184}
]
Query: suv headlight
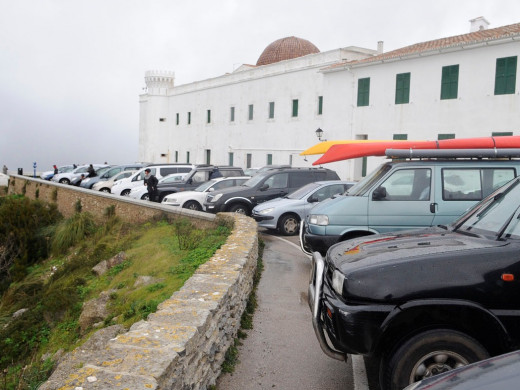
[
  {"x": 215, "y": 198},
  {"x": 265, "y": 211},
  {"x": 337, "y": 282},
  {"x": 319, "y": 219}
]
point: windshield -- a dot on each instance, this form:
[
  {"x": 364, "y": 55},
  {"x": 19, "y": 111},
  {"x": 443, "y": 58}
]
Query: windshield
[
  {"x": 367, "y": 182},
  {"x": 100, "y": 171},
  {"x": 204, "y": 186},
  {"x": 496, "y": 216},
  {"x": 302, "y": 191}
]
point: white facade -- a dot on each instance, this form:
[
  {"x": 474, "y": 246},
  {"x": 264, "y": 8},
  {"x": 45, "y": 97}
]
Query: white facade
[{"x": 334, "y": 75}]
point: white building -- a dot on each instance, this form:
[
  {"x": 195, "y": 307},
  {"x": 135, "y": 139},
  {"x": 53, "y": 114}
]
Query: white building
[{"x": 462, "y": 86}]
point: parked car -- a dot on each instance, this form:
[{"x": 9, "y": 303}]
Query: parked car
[
  {"x": 123, "y": 187},
  {"x": 106, "y": 185},
  {"x": 4, "y": 180},
  {"x": 284, "y": 214},
  {"x": 403, "y": 195},
  {"x": 47, "y": 175},
  {"x": 141, "y": 192},
  {"x": 265, "y": 186},
  {"x": 496, "y": 373},
  {"x": 198, "y": 175},
  {"x": 108, "y": 173},
  {"x": 194, "y": 200},
  {"x": 69, "y": 177},
  {"x": 424, "y": 301}
]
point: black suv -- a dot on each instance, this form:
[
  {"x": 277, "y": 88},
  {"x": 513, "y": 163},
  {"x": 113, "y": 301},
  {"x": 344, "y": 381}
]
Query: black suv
[
  {"x": 271, "y": 184},
  {"x": 198, "y": 175},
  {"x": 424, "y": 301}
]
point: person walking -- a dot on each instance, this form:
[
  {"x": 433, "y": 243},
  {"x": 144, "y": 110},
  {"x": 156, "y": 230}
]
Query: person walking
[
  {"x": 4, "y": 169},
  {"x": 150, "y": 181}
]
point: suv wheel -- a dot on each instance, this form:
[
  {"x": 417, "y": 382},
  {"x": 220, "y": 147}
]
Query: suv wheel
[
  {"x": 192, "y": 205},
  {"x": 428, "y": 354},
  {"x": 240, "y": 209},
  {"x": 289, "y": 225}
]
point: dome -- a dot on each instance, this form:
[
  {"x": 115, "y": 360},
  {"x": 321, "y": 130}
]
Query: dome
[{"x": 286, "y": 49}]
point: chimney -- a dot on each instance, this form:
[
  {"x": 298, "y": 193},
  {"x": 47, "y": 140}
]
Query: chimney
[
  {"x": 380, "y": 47},
  {"x": 478, "y": 24}
]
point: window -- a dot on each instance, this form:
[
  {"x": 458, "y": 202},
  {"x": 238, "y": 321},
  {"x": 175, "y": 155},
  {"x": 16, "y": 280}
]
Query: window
[
  {"x": 363, "y": 93},
  {"x": 295, "y": 108},
  {"x": 445, "y": 136},
  {"x": 248, "y": 160},
  {"x": 187, "y": 157},
  {"x": 402, "y": 88},
  {"x": 176, "y": 156},
  {"x": 271, "y": 110},
  {"x": 278, "y": 180},
  {"x": 162, "y": 119},
  {"x": 269, "y": 159},
  {"x": 250, "y": 112},
  {"x": 501, "y": 133},
  {"x": 505, "y": 77},
  {"x": 177, "y": 118},
  {"x": 449, "y": 82},
  {"x": 230, "y": 158},
  {"x": 232, "y": 114},
  {"x": 208, "y": 156},
  {"x": 209, "y": 116},
  {"x": 408, "y": 185},
  {"x": 326, "y": 192},
  {"x": 320, "y": 105},
  {"x": 400, "y": 137},
  {"x": 473, "y": 184},
  {"x": 189, "y": 118}
]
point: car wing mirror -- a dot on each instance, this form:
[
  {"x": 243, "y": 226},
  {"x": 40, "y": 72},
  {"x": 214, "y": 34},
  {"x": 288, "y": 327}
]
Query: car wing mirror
[
  {"x": 312, "y": 199},
  {"x": 264, "y": 187},
  {"x": 379, "y": 193},
  {"x": 211, "y": 189}
]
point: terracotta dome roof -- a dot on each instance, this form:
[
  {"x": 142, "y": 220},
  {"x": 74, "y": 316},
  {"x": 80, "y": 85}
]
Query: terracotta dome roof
[{"x": 286, "y": 49}]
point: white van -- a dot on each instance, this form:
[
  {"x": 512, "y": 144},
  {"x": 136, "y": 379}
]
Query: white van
[{"x": 124, "y": 186}]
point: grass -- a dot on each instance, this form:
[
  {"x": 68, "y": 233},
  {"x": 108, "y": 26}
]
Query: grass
[{"x": 55, "y": 289}]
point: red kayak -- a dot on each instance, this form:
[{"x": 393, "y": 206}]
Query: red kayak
[{"x": 377, "y": 148}]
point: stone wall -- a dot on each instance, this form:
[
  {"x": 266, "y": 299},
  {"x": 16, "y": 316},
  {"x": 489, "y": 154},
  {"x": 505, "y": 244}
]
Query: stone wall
[{"x": 183, "y": 344}]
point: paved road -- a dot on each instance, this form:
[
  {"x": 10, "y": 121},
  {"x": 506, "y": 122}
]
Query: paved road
[{"x": 281, "y": 351}]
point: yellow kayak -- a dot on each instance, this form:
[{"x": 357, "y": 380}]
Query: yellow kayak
[{"x": 323, "y": 147}]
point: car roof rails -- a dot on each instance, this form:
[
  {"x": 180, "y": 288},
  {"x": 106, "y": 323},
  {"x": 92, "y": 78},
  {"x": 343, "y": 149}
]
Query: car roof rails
[{"x": 453, "y": 153}]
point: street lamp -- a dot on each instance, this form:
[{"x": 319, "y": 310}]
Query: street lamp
[{"x": 319, "y": 134}]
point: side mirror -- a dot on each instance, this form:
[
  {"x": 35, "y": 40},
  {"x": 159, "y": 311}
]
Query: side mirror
[
  {"x": 379, "y": 193},
  {"x": 312, "y": 199},
  {"x": 264, "y": 187},
  {"x": 211, "y": 189}
]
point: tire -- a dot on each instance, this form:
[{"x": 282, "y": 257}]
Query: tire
[
  {"x": 240, "y": 209},
  {"x": 64, "y": 181},
  {"x": 145, "y": 197},
  {"x": 125, "y": 192},
  {"x": 289, "y": 225},
  {"x": 427, "y": 354},
  {"x": 106, "y": 190},
  {"x": 192, "y": 205}
]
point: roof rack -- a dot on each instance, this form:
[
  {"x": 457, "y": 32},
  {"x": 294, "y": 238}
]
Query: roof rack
[{"x": 453, "y": 153}]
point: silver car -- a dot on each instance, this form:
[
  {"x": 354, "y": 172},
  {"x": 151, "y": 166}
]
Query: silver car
[{"x": 286, "y": 213}]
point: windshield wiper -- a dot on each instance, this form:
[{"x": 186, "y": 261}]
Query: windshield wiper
[{"x": 505, "y": 225}]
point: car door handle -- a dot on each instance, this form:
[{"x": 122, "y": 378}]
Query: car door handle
[{"x": 433, "y": 208}]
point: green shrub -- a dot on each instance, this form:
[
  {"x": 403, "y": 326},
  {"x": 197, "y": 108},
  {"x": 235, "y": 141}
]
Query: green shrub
[{"x": 73, "y": 230}]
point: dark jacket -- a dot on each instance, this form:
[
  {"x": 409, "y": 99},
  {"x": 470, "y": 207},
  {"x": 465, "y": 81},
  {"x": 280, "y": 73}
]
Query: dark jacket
[{"x": 151, "y": 183}]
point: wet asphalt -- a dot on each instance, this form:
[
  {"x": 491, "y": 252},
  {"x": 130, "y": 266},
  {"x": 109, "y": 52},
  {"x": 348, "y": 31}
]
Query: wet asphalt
[{"x": 281, "y": 351}]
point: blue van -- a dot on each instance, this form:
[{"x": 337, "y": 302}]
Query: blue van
[{"x": 403, "y": 195}]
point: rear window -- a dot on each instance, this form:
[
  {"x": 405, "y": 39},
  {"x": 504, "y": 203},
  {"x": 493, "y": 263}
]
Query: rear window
[
  {"x": 473, "y": 184},
  {"x": 299, "y": 179}
]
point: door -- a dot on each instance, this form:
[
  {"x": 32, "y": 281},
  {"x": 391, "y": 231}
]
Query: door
[
  {"x": 402, "y": 200},
  {"x": 275, "y": 186}
]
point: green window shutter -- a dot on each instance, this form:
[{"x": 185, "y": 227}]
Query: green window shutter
[
  {"x": 208, "y": 156},
  {"x": 271, "y": 110},
  {"x": 249, "y": 157},
  {"x": 445, "y": 136},
  {"x": 232, "y": 114},
  {"x": 363, "y": 96},
  {"x": 295, "y": 108},
  {"x": 209, "y": 116},
  {"x": 450, "y": 82},
  {"x": 189, "y": 118},
  {"x": 501, "y": 133},
  {"x": 250, "y": 114},
  {"x": 402, "y": 88},
  {"x": 400, "y": 137},
  {"x": 505, "y": 76},
  {"x": 320, "y": 105},
  {"x": 187, "y": 157},
  {"x": 177, "y": 119},
  {"x": 269, "y": 159},
  {"x": 231, "y": 158},
  {"x": 176, "y": 156}
]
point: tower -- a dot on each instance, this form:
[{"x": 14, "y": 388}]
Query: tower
[{"x": 159, "y": 81}]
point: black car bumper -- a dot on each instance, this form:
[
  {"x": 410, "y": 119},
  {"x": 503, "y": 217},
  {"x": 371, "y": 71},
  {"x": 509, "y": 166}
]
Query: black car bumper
[
  {"x": 318, "y": 243},
  {"x": 351, "y": 329}
]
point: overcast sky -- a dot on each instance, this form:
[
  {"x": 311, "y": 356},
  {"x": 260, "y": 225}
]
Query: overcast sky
[{"x": 71, "y": 71}]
